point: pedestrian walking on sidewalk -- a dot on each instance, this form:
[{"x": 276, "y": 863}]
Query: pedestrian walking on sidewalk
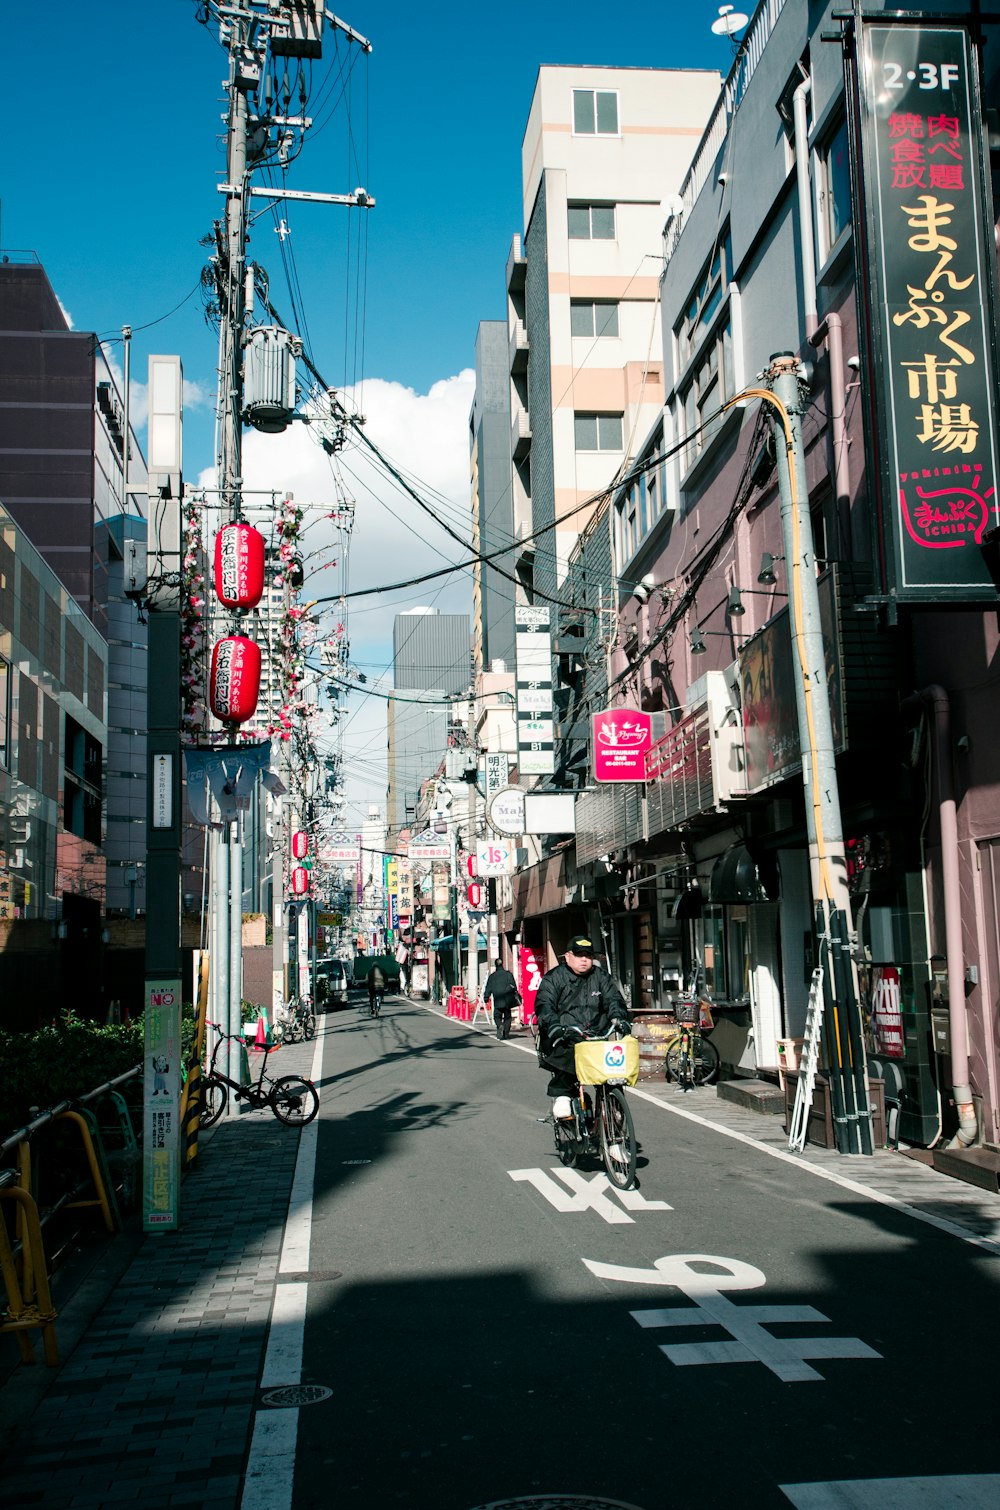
[{"x": 501, "y": 989}]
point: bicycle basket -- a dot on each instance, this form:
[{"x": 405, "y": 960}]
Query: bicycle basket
[
  {"x": 688, "y": 1011},
  {"x": 598, "y": 1060}
]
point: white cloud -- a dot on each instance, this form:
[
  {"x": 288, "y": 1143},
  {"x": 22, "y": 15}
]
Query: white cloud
[
  {"x": 426, "y": 436},
  {"x": 66, "y": 314}
]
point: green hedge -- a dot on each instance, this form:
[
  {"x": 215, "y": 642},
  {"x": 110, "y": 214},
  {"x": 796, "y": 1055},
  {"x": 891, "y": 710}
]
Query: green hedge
[{"x": 61, "y": 1061}]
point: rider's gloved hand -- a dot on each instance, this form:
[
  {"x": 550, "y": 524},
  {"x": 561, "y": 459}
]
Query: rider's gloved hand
[
  {"x": 572, "y": 1031},
  {"x": 620, "y": 1026}
]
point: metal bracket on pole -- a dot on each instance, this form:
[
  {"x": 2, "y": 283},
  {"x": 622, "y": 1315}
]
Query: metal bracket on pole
[{"x": 360, "y": 198}]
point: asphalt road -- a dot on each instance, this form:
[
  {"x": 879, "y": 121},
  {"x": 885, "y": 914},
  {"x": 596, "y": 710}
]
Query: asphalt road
[{"x": 495, "y": 1329}]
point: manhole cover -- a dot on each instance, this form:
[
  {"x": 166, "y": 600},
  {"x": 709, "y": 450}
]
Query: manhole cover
[
  {"x": 297, "y": 1394},
  {"x": 557, "y": 1502}
]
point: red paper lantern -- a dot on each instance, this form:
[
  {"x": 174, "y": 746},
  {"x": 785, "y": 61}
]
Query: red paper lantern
[
  {"x": 475, "y": 895},
  {"x": 300, "y": 881},
  {"x": 300, "y": 845},
  {"x": 239, "y": 566},
  {"x": 235, "y": 680}
]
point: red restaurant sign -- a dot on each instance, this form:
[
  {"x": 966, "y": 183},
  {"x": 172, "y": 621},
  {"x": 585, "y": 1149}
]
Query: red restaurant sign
[{"x": 621, "y": 737}]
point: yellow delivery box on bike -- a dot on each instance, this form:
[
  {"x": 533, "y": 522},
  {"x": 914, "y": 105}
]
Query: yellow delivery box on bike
[{"x": 602, "y": 1061}]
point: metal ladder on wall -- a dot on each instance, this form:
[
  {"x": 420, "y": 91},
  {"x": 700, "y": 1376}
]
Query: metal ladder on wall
[{"x": 799, "y": 1124}]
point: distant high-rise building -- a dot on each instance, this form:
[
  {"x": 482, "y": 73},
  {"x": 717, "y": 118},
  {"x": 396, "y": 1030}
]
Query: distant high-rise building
[
  {"x": 431, "y": 655},
  {"x": 603, "y": 149},
  {"x": 492, "y": 502}
]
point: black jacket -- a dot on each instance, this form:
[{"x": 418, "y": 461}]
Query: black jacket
[
  {"x": 501, "y": 987},
  {"x": 589, "y": 1001}
]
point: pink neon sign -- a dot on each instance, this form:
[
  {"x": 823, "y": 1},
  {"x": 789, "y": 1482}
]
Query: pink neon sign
[{"x": 621, "y": 737}]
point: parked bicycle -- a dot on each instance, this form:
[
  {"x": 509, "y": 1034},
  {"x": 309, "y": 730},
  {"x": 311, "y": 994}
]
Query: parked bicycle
[
  {"x": 298, "y": 1022},
  {"x": 692, "y": 1059},
  {"x": 601, "y": 1122},
  {"x": 292, "y": 1098}
]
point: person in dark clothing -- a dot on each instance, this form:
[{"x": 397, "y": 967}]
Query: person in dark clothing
[
  {"x": 501, "y": 989},
  {"x": 376, "y": 983},
  {"x": 577, "y": 999}
]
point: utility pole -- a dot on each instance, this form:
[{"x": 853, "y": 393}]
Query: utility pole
[
  {"x": 256, "y": 34},
  {"x": 843, "y": 1035},
  {"x": 162, "y": 1020}
]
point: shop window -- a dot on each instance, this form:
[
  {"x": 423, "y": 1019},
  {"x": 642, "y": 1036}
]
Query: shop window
[
  {"x": 708, "y": 386},
  {"x": 591, "y": 222},
  {"x": 704, "y": 302},
  {"x": 593, "y": 317},
  {"x": 82, "y": 783},
  {"x": 833, "y": 198},
  {"x": 595, "y": 112},
  {"x": 4, "y": 713},
  {"x": 598, "y": 432}
]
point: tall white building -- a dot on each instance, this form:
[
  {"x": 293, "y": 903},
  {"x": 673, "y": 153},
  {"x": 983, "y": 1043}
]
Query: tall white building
[{"x": 604, "y": 150}]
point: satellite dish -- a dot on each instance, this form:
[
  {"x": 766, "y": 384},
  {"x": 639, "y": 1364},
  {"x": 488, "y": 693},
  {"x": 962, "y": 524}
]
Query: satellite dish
[{"x": 730, "y": 21}]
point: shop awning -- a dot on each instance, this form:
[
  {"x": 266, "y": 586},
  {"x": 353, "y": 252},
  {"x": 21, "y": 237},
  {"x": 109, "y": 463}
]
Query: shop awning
[
  {"x": 448, "y": 940},
  {"x": 689, "y": 903},
  {"x": 735, "y": 878}
]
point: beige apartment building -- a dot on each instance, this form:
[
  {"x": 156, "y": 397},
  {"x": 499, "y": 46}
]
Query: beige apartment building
[{"x": 605, "y": 151}]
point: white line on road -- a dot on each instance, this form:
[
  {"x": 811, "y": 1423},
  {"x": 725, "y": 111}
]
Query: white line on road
[
  {"x": 270, "y": 1473},
  {"x": 881, "y": 1197},
  {"x": 973, "y": 1491}
]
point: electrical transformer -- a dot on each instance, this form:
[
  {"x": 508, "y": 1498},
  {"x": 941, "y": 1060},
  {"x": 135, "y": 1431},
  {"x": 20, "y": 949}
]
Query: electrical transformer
[{"x": 269, "y": 378}]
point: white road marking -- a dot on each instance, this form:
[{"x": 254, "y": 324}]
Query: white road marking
[
  {"x": 973, "y": 1491},
  {"x": 270, "y": 1473},
  {"x": 587, "y": 1194},
  {"x": 784, "y": 1356},
  {"x": 286, "y": 1335},
  {"x": 271, "y": 1464},
  {"x": 881, "y": 1197}
]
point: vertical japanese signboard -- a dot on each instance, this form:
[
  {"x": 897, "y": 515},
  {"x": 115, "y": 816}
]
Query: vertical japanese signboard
[
  {"x": 161, "y": 1151},
  {"x": 533, "y": 655},
  {"x": 924, "y": 247}
]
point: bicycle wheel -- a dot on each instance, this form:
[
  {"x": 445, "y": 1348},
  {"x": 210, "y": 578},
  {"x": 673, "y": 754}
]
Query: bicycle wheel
[
  {"x": 309, "y": 1024},
  {"x": 293, "y": 1100},
  {"x": 694, "y": 1064},
  {"x": 567, "y": 1148},
  {"x": 617, "y": 1137},
  {"x": 213, "y": 1098}
]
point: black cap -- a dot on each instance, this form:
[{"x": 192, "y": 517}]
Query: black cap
[{"x": 580, "y": 943}]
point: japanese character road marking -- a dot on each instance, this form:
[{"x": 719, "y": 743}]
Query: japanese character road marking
[
  {"x": 784, "y": 1356},
  {"x": 586, "y": 1195}
]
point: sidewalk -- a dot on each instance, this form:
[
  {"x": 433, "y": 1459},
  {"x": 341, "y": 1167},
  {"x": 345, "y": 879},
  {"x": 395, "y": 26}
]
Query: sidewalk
[
  {"x": 887, "y": 1176},
  {"x": 154, "y": 1402}
]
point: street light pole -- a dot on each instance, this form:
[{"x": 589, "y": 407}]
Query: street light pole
[{"x": 844, "y": 1039}]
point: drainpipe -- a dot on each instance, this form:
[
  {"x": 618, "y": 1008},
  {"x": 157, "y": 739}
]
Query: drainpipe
[
  {"x": 805, "y": 205},
  {"x": 936, "y": 699}
]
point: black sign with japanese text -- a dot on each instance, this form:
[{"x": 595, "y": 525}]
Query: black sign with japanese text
[{"x": 931, "y": 360}]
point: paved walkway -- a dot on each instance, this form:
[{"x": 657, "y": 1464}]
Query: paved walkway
[
  {"x": 156, "y": 1396},
  {"x": 155, "y": 1402}
]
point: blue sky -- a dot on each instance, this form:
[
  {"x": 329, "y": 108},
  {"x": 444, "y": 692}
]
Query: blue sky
[{"x": 114, "y": 149}]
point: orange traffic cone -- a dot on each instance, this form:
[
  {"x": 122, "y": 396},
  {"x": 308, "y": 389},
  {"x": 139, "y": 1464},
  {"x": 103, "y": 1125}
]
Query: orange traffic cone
[{"x": 260, "y": 1040}]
